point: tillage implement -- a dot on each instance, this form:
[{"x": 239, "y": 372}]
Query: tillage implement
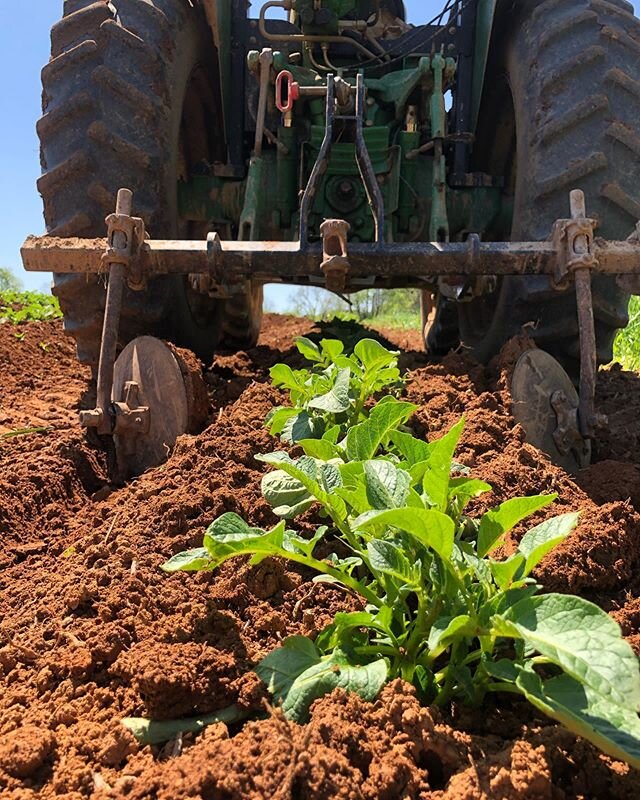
[{"x": 489, "y": 159}]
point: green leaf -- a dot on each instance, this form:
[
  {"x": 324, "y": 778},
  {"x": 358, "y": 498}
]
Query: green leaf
[
  {"x": 301, "y": 427},
  {"x": 320, "y": 449},
  {"x": 283, "y": 376},
  {"x": 282, "y": 666},
  {"x": 496, "y": 523},
  {"x": 332, "y": 349},
  {"x": 462, "y": 490},
  {"x": 308, "y": 349},
  {"x": 387, "y": 486},
  {"x": 504, "y": 572},
  {"x": 230, "y": 536},
  {"x": 429, "y": 527},
  {"x": 389, "y": 559},
  {"x": 446, "y": 629},
  {"x": 414, "y": 451},
  {"x": 373, "y": 355},
  {"x": 197, "y": 560},
  {"x": 337, "y": 400},
  {"x": 613, "y": 727},
  {"x": 334, "y": 672},
  {"x": 278, "y": 419},
  {"x": 581, "y": 639},
  {"x": 152, "y": 732},
  {"x": 343, "y": 624},
  {"x": 363, "y": 440},
  {"x": 437, "y": 476},
  {"x": 280, "y": 489},
  {"x": 544, "y": 538}
]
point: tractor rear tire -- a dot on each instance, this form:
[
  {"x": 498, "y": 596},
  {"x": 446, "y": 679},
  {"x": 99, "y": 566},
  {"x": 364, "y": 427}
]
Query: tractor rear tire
[
  {"x": 561, "y": 111},
  {"x": 128, "y": 101}
]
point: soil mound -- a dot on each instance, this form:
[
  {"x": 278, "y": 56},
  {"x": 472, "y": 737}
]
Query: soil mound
[{"x": 92, "y": 631}]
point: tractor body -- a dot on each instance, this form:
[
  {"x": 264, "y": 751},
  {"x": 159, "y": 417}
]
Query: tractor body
[{"x": 423, "y": 88}]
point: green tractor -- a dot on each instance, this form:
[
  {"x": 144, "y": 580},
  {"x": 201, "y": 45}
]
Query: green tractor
[{"x": 362, "y": 143}]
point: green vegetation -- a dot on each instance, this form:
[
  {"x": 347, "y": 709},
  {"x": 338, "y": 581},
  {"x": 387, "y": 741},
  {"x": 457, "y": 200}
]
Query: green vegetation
[
  {"x": 17, "y": 307},
  {"x": 627, "y": 346},
  {"x": 8, "y": 281},
  {"x": 438, "y": 609},
  {"x": 381, "y": 308}
]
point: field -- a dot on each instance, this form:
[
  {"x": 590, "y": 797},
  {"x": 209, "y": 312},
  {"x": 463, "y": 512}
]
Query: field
[{"x": 92, "y": 631}]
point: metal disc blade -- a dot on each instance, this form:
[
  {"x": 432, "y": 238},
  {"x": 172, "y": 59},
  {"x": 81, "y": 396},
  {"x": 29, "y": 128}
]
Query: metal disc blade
[
  {"x": 152, "y": 365},
  {"x": 536, "y": 378}
]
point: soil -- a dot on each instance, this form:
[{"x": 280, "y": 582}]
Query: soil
[{"x": 92, "y": 631}]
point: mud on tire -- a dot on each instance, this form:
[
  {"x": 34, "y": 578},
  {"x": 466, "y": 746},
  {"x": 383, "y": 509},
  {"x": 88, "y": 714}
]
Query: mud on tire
[
  {"x": 561, "y": 111},
  {"x": 123, "y": 78}
]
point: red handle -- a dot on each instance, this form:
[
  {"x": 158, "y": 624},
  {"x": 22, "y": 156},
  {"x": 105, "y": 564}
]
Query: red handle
[{"x": 287, "y": 91}]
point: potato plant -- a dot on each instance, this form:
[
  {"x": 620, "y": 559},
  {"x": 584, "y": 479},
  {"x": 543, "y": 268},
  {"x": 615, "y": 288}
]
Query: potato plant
[{"x": 439, "y": 608}]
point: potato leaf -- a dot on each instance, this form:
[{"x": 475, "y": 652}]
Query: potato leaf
[
  {"x": 613, "y": 727},
  {"x": 280, "y": 489},
  {"x": 156, "y": 732},
  {"x": 541, "y": 540},
  {"x": 309, "y": 349},
  {"x": 444, "y": 630},
  {"x": 429, "y": 527},
  {"x": 505, "y": 572},
  {"x": 388, "y": 559},
  {"x": 386, "y": 485},
  {"x": 197, "y": 560},
  {"x": 373, "y": 355},
  {"x": 496, "y": 523},
  {"x": 581, "y": 639},
  {"x": 282, "y": 666},
  {"x": 336, "y": 671},
  {"x": 414, "y": 451},
  {"x": 363, "y": 440},
  {"x": 437, "y": 477},
  {"x": 337, "y": 400}
]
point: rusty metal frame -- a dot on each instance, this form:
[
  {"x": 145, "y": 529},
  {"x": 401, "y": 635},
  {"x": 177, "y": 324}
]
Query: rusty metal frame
[{"x": 570, "y": 256}]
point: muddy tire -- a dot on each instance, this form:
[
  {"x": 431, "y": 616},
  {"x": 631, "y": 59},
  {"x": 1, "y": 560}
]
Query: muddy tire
[
  {"x": 565, "y": 92},
  {"x": 125, "y": 81}
]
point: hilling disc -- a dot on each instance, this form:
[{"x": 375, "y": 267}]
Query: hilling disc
[
  {"x": 165, "y": 387},
  {"x": 536, "y": 379}
]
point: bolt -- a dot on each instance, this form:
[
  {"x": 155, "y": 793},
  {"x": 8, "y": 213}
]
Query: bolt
[{"x": 91, "y": 419}]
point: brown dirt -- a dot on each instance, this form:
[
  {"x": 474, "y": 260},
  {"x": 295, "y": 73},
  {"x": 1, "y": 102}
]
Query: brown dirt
[{"x": 92, "y": 631}]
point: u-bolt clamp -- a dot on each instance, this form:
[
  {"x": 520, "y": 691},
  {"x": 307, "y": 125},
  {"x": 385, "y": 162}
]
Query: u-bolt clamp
[
  {"x": 573, "y": 242},
  {"x": 125, "y": 237}
]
